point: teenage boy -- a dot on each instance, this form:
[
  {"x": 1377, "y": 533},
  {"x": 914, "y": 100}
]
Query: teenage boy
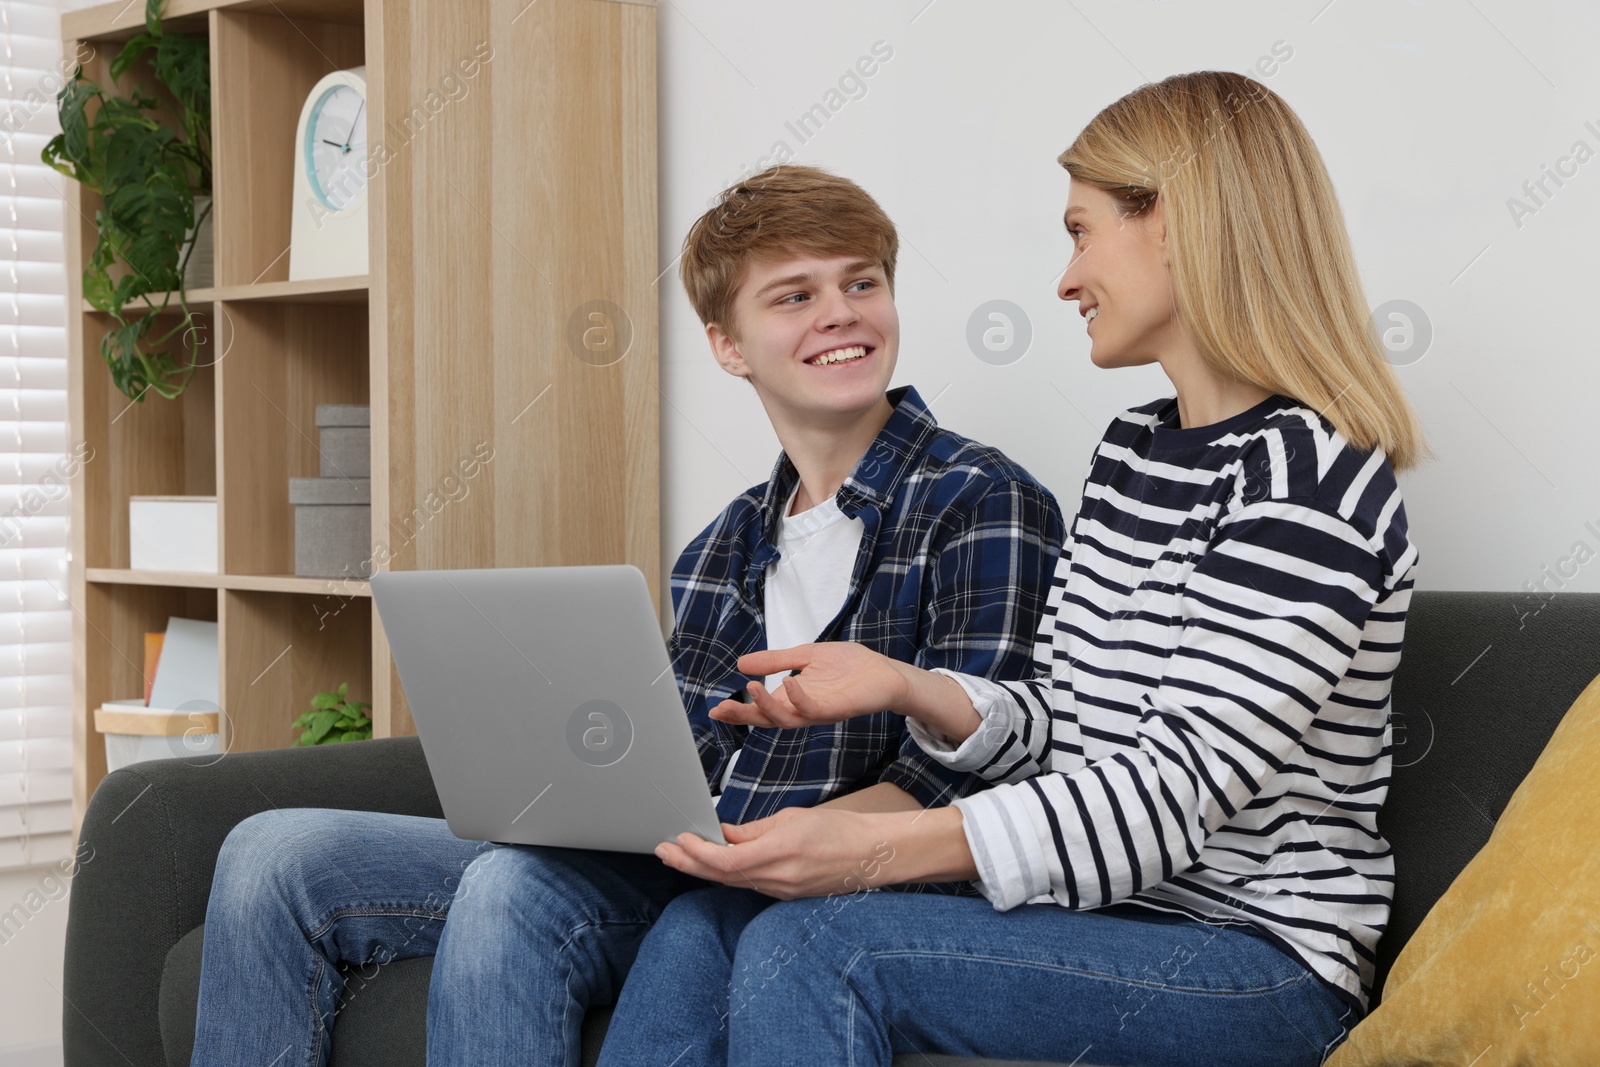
[{"x": 876, "y": 526}]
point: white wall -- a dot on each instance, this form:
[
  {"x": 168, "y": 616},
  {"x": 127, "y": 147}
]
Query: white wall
[
  {"x": 32, "y": 945},
  {"x": 1430, "y": 116}
]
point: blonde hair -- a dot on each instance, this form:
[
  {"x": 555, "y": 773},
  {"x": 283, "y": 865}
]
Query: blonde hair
[{"x": 1262, "y": 271}]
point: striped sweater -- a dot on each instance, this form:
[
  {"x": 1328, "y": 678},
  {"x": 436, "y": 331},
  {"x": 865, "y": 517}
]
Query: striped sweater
[{"x": 1207, "y": 730}]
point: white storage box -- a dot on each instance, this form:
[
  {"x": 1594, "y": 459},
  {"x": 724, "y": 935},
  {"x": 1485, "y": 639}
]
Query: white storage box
[
  {"x": 134, "y": 732},
  {"x": 172, "y": 533}
]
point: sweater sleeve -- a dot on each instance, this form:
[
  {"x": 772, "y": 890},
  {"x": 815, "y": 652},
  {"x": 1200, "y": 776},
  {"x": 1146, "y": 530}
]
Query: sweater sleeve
[
  {"x": 982, "y": 608},
  {"x": 1271, "y": 616}
]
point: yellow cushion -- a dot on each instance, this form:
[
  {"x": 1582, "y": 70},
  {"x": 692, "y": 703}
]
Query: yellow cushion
[{"x": 1505, "y": 969}]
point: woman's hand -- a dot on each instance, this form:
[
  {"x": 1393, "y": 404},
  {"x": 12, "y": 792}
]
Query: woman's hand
[
  {"x": 797, "y": 852},
  {"x": 837, "y": 680}
]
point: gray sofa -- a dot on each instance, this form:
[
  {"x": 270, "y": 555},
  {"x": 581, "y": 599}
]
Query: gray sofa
[{"x": 1482, "y": 684}]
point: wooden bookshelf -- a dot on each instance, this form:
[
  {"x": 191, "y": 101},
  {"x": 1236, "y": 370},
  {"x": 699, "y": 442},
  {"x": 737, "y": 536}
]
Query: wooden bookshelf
[{"x": 529, "y": 196}]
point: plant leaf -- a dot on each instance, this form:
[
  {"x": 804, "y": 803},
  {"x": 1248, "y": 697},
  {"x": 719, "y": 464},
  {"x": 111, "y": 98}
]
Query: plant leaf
[
  {"x": 321, "y": 725},
  {"x": 135, "y": 47},
  {"x": 147, "y": 173}
]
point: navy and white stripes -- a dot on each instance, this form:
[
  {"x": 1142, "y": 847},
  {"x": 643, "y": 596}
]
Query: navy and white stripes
[{"x": 1207, "y": 730}]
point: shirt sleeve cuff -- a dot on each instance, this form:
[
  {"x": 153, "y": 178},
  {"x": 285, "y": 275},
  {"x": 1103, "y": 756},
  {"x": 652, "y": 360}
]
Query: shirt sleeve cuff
[
  {"x": 1011, "y": 862},
  {"x": 995, "y": 706}
]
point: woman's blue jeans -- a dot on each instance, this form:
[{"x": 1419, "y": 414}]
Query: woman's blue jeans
[
  {"x": 715, "y": 974},
  {"x": 729, "y": 976}
]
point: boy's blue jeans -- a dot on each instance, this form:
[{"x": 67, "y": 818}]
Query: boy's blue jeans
[{"x": 538, "y": 935}]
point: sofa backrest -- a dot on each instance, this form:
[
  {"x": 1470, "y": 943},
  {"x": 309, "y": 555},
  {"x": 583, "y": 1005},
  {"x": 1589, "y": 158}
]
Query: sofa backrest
[{"x": 1484, "y": 679}]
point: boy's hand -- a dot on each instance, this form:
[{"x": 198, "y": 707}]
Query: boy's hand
[{"x": 837, "y": 680}]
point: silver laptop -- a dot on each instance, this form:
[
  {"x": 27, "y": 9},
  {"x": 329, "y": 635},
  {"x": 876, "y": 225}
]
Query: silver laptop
[{"x": 546, "y": 705}]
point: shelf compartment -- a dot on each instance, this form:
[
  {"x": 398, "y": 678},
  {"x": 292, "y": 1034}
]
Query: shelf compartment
[
  {"x": 150, "y": 447},
  {"x": 280, "y": 650},
  {"x": 280, "y": 360},
  {"x": 113, "y": 650},
  {"x": 97, "y": 68},
  {"x": 253, "y": 149}
]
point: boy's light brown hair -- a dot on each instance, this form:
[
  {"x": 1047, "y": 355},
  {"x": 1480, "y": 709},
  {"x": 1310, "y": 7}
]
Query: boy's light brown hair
[{"x": 783, "y": 211}]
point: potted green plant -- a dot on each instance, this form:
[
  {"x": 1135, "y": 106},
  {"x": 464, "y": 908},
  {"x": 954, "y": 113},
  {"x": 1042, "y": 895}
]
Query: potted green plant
[
  {"x": 148, "y": 176},
  {"x": 332, "y": 718}
]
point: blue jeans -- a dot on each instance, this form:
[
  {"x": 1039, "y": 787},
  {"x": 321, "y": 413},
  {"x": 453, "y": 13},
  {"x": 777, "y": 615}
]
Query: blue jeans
[
  {"x": 715, "y": 974},
  {"x": 535, "y": 936},
  {"x": 730, "y": 976},
  {"x": 883, "y": 973},
  {"x": 674, "y": 1008}
]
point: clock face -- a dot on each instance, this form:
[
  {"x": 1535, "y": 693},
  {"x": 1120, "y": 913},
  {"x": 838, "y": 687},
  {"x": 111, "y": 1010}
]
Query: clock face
[{"x": 336, "y": 147}]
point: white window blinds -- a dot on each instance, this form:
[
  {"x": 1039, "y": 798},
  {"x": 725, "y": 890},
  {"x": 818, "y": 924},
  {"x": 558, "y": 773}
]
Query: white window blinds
[{"x": 35, "y": 616}]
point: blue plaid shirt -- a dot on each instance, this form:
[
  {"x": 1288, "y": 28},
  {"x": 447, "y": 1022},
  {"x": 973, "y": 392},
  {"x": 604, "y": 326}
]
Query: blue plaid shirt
[{"x": 955, "y": 561}]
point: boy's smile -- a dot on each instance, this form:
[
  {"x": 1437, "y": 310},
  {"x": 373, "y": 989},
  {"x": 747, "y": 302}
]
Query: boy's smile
[
  {"x": 818, "y": 336},
  {"x": 835, "y": 357}
]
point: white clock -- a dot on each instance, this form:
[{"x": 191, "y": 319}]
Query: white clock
[{"x": 328, "y": 233}]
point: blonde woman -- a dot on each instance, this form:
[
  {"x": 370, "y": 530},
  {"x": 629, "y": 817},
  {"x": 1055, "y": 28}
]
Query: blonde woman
[{"x": 1179, "y": 853}]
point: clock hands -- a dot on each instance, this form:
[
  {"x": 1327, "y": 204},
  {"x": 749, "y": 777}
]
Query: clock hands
[
  {"x": 353, "y": 122},
  {"x": 338, "y": 180}
]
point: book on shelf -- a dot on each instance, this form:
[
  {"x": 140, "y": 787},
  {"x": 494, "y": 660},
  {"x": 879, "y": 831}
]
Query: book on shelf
[
  {"x": 186, "y": 678},
  {"x": 152, "y": 656}
]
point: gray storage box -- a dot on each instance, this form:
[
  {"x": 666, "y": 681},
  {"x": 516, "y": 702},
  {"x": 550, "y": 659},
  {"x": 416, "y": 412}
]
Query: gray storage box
[
  {"x": 332, "y": 527},
  {"x": 344, "y": 414},
  {"x": 344, "y": 440}
]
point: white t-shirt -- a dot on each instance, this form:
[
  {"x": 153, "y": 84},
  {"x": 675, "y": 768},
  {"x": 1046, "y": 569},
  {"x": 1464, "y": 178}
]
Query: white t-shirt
[{"x": 806, "y": 586}]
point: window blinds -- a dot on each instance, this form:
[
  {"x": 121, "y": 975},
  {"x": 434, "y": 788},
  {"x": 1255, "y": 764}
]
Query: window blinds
[{"x": 35, "y": 615}]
